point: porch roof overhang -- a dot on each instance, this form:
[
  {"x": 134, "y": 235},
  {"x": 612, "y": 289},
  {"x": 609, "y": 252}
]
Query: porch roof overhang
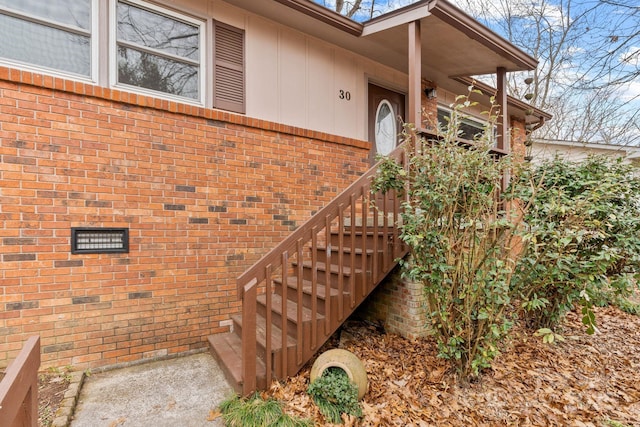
[{"x": 452, "y": 43}]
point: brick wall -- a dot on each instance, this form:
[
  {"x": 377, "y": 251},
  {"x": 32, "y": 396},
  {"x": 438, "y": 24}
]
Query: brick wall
[
  {"x": 204, "y": 194},
  {"x": 518, "y": 137}
]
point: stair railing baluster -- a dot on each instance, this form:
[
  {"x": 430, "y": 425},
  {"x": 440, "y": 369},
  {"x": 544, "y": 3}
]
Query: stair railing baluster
[
  {"x": 249, "y": 344},
  {"x": 395, "y": 238},
  {"x": 364, "y": 238},
  {"x": 314, "y": 288},
  {"x": 385, "y": 234},
  {"x": 299, "y": 285},
  {"x": 340, "y": 253},
  {"x": 352, "y": 233},
  {"x": 268, "y": 362},
  {"x": 285, "y": 313},
  {"x": 328, "y": 274}
]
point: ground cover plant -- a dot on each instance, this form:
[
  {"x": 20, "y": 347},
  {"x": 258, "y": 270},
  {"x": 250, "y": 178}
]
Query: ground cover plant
[
  {"x": 258, "y": 412},
  {"x": 335, "y": 394}
]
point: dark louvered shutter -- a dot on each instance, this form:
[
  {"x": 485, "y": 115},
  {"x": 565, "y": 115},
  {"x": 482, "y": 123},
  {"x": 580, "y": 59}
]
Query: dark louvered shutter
[{"x": 229, "y": 88}]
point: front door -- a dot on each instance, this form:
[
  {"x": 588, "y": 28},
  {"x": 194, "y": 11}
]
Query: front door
[{"x": 385, "y": 109}]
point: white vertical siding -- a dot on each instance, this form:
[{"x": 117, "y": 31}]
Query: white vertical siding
[
  {"x": 261, "y": 71},
  {"x": 346, "y": 95},
  {"x": 295, "y": 79},
  {"x": 292, "y": 76},
  {"x": 320, "y": 93}
]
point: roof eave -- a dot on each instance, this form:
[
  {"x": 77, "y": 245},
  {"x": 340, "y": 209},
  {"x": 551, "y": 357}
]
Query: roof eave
[
  {"x": 404, "y": 15},
  {"x": 325, "y": 15},
  {"x": 473, "y": 29}
]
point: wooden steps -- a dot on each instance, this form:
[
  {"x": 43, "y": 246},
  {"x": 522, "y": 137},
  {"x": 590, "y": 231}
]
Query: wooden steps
[
  {"x": 300, "y": 292},
  {"x": 227, "y": 350}
]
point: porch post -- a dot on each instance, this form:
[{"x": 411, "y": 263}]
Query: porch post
[
  {"x": 503, "y": 117},
  {"x": 414, "y": 114}
]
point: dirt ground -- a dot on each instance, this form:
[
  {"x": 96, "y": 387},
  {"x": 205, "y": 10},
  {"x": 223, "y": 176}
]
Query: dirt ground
[
  {"x": 52, "y": 385},
  {"x": 584, "y": 381}
]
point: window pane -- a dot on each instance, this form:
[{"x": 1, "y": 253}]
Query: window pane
[
  {"x": 149, "y": 71},
  {"x": 443, "y": 117},
  {"x": 470, "y": 130},
  {"x": 158, "y": 31},
  {"x": 69, "y": 12},
  {"x": 48, "y": 47},
  {"x": 385, "y": 128}
]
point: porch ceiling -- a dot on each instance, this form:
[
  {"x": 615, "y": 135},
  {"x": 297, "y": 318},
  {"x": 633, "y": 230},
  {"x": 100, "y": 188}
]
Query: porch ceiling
[
  {"x": 453, "y": 44},
  {"x": 446, "y": 51}
]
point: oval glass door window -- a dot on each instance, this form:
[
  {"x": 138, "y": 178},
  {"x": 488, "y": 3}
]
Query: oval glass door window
[{"x": 385, "y": 130}]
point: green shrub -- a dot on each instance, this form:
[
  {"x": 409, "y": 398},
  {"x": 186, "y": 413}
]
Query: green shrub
[
  {"x": 335, "y": 394},
  {"x": 460, "y": 239},
  {"x": 256, "y": 412},
  {"x": 582, "y": 240}
]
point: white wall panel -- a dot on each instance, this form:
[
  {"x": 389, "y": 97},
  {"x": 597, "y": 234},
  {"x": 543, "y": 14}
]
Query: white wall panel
[
  {"x": 320, "y": 99},
  {"x": 346, "y": 93},
  {"x": 298, "y": 80},
  {"x": 261, "y": 72},
  {"x": 292, "y": 70}
]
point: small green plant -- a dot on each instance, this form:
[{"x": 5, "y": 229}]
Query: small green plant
[
  {"x": 335, "y": 394},
  {"x": 64, "y": 373},
  {"x": 628, "y": 306},
  {"x": 548, "y": 336},
  {"x": 257, "y": 412},
  {"x": 613, "y": 423}
]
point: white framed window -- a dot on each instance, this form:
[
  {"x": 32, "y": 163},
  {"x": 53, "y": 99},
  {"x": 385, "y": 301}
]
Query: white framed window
[
  {"x": 54, "y": 36},
  {"x": 157, "y": 51},
  {"x": 470, "y": 128},
  {"x": 385, "y": 132}
]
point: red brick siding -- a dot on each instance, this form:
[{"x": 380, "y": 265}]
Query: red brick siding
[
  {"x": 518, "y": 137},
  {"x": 204, "y": 193},
  {"x": 429, "y": 107}
]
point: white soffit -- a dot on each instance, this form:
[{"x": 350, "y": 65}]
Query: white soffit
[
  {"x": 453, "y": 44},
  {"x": 396, "y": 20}
]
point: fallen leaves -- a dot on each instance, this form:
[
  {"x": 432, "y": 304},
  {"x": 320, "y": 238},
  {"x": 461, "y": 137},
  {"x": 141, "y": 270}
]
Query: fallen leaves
[
  {"x": 588, "y": 380},
  {"x": 214, "y": 414},
  {"x": 120, "y": 421}
]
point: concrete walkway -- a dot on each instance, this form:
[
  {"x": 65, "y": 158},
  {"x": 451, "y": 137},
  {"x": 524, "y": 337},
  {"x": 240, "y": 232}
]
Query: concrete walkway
[{"x": 173, "y": 392}]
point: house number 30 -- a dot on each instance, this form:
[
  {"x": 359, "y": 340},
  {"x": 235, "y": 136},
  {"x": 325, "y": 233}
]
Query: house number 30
[{"x": 344, "y": 94}]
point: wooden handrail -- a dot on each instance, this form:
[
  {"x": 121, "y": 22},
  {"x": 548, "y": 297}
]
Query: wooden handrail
[
  {"x": 304, "y": 231},
  {"x": 298, "y": 294},
  {"x": 19, "y": 388},
  {"x": 322, "y": 255}
]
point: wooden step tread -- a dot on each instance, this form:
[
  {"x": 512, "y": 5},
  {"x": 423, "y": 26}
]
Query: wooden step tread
[
  {"x": 292, "y": 308},
  {"x": 307, "y": 287},
  {"x": 261, "y": 333},
  {"x": 369, "y": 231},
  {"x": 335, "y": 269},
  {"x": 227, "y": 349},
  {"x": 347, "y": 250}
]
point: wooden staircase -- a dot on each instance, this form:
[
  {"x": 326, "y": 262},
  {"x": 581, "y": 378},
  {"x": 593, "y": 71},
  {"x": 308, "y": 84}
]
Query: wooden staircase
[{"x": 298, "y": 294}]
